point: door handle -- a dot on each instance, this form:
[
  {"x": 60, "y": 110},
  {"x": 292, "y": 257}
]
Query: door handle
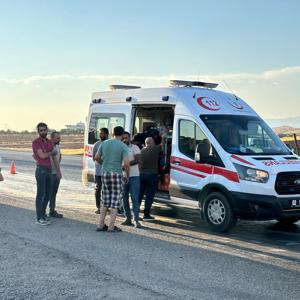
[{"x": 176, "y": 162}]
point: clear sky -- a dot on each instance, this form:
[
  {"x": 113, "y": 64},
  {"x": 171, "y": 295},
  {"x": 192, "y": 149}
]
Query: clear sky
[{"x": 55, "y": 53}]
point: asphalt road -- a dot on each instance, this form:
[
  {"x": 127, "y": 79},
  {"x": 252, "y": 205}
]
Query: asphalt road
[{"x": 174, "y": 257}]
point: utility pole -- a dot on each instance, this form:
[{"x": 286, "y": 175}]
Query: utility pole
[{"x": 296, "y": 144}]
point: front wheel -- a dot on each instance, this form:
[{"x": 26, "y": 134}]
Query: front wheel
[
  {"x": 288, "y": 221},
  {"x": 218, "y": 213}
]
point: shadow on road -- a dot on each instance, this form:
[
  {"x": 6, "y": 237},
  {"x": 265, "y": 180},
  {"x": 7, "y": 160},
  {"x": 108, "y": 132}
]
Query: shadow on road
[{"x": 171, "y": 231}]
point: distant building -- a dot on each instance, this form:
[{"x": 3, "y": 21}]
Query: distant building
[{"x": 78, "y": 127}]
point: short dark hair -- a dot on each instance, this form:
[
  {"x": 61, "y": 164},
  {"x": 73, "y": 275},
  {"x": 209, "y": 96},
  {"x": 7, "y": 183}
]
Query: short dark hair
[
  {"x": 105, "y": 130},
  {"x": 126, "y": 132},
  {"x": 118, "y": 130},
  {"x": 54, "y": 133},
  {"x": 139, "y": 137},
  {"x": 41, "y": 124}
]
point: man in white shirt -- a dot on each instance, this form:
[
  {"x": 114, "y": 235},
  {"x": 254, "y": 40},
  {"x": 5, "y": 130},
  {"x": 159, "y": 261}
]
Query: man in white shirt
[
  {"x": 133, "y": 184},
  {"x": 56, "y": 174}
]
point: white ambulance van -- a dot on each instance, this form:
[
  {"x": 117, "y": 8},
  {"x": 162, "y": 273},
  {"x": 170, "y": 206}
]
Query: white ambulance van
[{"x": 218, "y": 154}]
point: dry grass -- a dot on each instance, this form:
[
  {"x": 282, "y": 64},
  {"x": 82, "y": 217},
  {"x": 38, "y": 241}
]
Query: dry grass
[{"x": 70, "y": 144}]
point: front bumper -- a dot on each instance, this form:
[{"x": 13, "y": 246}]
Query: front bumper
[{"x": 260, "y": 207}]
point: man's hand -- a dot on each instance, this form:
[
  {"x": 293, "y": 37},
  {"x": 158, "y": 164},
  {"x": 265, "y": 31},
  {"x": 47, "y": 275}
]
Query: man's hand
[
  {"x": 126, "y": 165},
  {"x": 58, "y": 175},
  {"x": 125, "y": 179}
]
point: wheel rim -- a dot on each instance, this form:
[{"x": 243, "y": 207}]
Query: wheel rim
[{"x": 216, "y": 211}]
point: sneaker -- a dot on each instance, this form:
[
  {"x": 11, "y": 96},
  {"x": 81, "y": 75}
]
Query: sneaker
[
  {"x": 120, "y": 213},
  {"x": 137, "y": 225},
  {"x": 97, "y": 212},
  {"x": 116, "y": 229},
  {"x": 42, "y": 222},
  {"x": 104, "y": 228},
  {"x": 127, "y": 223},
  {"x": 46, "y": 218},
  {"x": 148, "y": 218},
  {"x": 55, "y": 214}
]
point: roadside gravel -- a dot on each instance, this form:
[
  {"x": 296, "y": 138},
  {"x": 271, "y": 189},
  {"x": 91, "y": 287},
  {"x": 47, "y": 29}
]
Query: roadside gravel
[{"x": 30, "y": 270}]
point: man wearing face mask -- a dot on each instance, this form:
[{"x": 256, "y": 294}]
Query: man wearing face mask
[
  {"x": 42, "y": 151},
  {"x": 103, "y": 134}
]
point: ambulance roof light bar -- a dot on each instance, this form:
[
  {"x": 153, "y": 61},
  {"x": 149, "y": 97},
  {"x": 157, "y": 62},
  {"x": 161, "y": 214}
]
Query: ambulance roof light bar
[
  {"x": 185, "y": 83},
  {"x": 114, "y": 87}
]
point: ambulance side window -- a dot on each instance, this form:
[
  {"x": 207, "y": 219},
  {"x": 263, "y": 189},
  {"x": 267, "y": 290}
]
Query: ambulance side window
[
  {"x": 108, "y": 121},
  {"x": 191, "y": 137},
  {"x": 187, "y": 138}
]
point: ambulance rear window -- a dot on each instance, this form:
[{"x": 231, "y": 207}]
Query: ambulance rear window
[{"x": 103, "y": 120}]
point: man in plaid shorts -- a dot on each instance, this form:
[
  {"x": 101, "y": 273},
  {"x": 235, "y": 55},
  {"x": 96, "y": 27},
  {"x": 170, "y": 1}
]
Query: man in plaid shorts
[{"x": 113, "y": 154}]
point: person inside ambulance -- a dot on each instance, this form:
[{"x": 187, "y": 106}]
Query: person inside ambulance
[
  {"x": 138, "y": 140},
  {"x": 228, "y": 137},
  {"x": 234, "y": 144},
  {"x": 203, "y": 151}
]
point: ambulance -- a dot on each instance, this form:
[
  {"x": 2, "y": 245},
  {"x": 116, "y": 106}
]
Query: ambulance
[{"x": 218, "y": 154}]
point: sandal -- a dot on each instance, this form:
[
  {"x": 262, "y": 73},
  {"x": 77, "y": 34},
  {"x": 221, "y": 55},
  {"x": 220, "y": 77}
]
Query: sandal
[
  {"x": 116, "y": 229},
  {"x": 104, "y": 228}
]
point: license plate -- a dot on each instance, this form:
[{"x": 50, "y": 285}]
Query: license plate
[{"x": 295, "y": 203}]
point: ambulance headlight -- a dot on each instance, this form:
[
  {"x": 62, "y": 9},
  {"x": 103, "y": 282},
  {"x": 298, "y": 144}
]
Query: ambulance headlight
[{"x": 251, "y": 174}]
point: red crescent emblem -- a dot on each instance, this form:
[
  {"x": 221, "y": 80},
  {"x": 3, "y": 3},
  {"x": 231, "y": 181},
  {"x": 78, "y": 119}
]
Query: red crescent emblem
[
  {"x": 235, "y": 104},
  {"x": 208, "y": 103}
]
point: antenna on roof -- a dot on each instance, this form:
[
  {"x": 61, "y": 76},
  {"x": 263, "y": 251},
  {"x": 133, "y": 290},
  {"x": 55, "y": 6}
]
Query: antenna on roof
[
  {"x": 193, "y": 83},
  {"x": 230, "y": 89},
  {"x": 114, "y": 87}
]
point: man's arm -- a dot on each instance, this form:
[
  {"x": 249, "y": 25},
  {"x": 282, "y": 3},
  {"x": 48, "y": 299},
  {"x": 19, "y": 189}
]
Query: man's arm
[
  {"x": 126, "y": 162},
  {"x": 95, "y": 150},
  {"x": 98, "y": 157},
  {"x": 57, "y": 167},
  {"x": 126, "y": 166},
  {"x": 136, "y": 160},
  {"x": 45, "y": 155},
  {"x": 136, "y": 157}
]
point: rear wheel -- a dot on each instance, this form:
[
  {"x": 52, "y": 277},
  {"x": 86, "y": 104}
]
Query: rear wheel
[
  {"x": 288, "y": 221},
  {"x": 218, "y": 213}
]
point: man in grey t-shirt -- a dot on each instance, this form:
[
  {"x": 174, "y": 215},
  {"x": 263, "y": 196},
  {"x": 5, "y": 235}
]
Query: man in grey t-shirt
[{"x": 103, "y": 134}]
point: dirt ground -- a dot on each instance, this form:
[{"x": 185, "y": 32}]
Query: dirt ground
[
  {"x": 73, "y": 144},
  {"x": 23, "y": 141}
]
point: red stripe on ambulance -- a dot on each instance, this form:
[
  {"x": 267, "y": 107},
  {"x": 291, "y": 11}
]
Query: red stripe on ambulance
[
  {"x": 187, "y": 172},
  {"x": 241, "y": 160},
  {"x": 208, "y": 169}
]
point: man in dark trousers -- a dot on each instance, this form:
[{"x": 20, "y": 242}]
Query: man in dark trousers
[
  {"x": 133, "y": 185},
  {"x": 42, "y": 151},
  {"x": 103, "y": 134},
  {"x": 56, "y": 174},
  {"x": 149, "y": 175}
]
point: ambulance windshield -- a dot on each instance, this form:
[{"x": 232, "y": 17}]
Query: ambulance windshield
[{"x": 244, "y": 135}]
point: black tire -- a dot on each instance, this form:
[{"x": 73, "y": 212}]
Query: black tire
[
  {"x": 288, "y": 221},
  {"x": 221, "y": 220}
]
